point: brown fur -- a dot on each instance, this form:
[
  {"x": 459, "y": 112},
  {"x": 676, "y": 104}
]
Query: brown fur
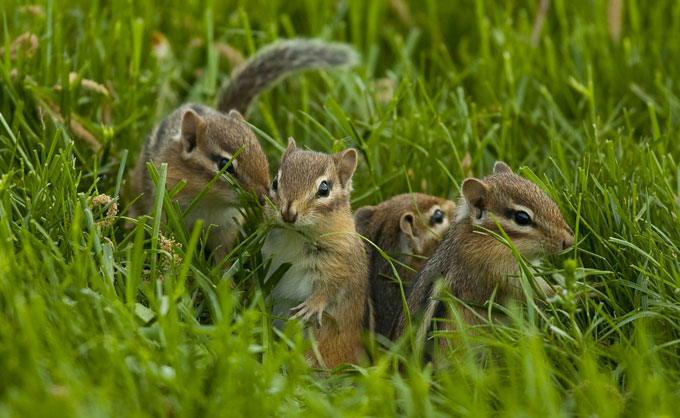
[
  {"x": 407, "y": 233},
  {"x": 277, "y": 60},
  {"x": 474, "y": 264},
  {"x": 329, "y": 272},
  {"x": 191, "y": 138},
  {"x": 192, "y": 157}
]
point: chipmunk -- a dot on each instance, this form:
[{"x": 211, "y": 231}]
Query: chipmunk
[
  {"x": 474, "y": 264},
  {"x": 316, "y": 233},
  {"x": 397, "y": 226},
  {"x": 197, "y": 141}
]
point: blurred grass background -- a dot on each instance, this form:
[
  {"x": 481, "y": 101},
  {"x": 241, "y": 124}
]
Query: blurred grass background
[{"x": 582, "y": 95}]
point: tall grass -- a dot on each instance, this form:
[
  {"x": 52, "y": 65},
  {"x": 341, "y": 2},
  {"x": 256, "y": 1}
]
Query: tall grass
[{"x": 102, "y": 317}]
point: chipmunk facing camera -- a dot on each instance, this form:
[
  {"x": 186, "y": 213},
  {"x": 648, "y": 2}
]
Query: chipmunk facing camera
[
  {"x": 316, "y": 234},
  {"x": 408, "y": 227}
]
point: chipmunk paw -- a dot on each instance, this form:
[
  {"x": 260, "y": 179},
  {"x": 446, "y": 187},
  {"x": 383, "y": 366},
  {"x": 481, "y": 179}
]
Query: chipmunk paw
[{"x": 306, "y": 311}]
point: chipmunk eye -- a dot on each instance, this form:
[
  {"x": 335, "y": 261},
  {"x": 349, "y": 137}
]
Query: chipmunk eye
[
  {"x": 437, "y": 217},
  {"x": 275, "y": 183},
  {"x": 223, "y": 162},
  {"x": 522, "y": 218},
  {"x": 324, "y": 190}
]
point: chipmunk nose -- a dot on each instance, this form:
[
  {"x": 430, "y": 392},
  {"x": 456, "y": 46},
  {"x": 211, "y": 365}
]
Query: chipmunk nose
[
  {"x": 568, "y": 242},
  {"x": 289, "y": 216}
]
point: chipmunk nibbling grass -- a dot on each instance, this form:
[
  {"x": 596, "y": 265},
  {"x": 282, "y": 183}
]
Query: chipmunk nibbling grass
[
  {"x": 197, "y": 141},
  {"x": 472, "y": 262},
  {"x": 316, "y": 234}
]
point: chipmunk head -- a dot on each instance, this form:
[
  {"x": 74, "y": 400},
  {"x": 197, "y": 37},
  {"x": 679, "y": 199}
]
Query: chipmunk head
[
  {"x": 209, "y": 141},
  {"x": 311, "y": 185},
  {"x": 532, "y": 220},
  {"x": 418, "y": 230}
]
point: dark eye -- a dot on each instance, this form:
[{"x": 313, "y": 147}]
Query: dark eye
[
  {"x": 275, "y": 183},
  {"x": 437, "y": 217},
  {"x": 324, "y": 190},
  {"x": 223, "y": 162},
  {"x": 522, "y": 218}
]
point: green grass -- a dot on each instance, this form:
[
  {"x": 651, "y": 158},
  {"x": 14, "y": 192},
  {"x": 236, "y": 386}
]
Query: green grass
[{"x": 96, "y": 320}]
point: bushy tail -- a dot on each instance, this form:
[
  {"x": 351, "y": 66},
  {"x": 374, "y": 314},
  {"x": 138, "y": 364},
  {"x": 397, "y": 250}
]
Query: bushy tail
[{"x": 278, "y": 60}]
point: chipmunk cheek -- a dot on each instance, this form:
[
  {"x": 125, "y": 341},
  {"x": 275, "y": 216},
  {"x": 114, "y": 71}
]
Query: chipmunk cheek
[
  {"x": 524, "y": 247},
  {"x": 550, "y": 246},
  {"x": 529, "y": 246}
]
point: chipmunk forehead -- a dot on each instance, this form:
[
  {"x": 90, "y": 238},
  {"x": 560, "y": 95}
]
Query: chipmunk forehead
[
  {"x": 226, "y": 135},
  {"x": 390, "y": 212},
  {"x": 301, "y": 169},
  {"x": 231, "y": 134},
  {"x": 407, "y": 201},
  {"x": 509, "y": 189}
]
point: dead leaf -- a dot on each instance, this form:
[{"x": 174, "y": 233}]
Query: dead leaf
[
  {"x": 160, "y": 46},
  {"x": 543, "y": 8},
  {"x": 87, "y": 84},
  {"x": 465, "y": 164},
  {"x": 614, "y": 17},
  {"x": 24, "y": 39},
  {"x": 232, "y": 54},
  {"x": 33, "y": 10},
  {"x": 77, "y": 128},
  {"x": 384, "y": 90},
  {"x": 401, "y": 9}
]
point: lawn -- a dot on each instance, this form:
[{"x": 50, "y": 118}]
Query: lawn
[{"x": 101, "y": 315}]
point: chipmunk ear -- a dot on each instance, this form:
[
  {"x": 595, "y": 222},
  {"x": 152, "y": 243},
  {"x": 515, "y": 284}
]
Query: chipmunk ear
[
  {"x": 501, "y": 167},
  {"x": 346, "y": 163},
  {"x": 236, "y": 114},
  {"x": 291, "y": 147},
  {"x": 192, "y": 130},
  {"x": 363, "y": 215},
  {"x": 406, "y": 223},
  {"x": 475, "y": 192}
]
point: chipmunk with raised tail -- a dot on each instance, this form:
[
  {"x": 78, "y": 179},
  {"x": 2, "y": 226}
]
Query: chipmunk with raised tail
[
  {"x": 473, "y": 263},
  {"x": 197, "y": 141},
  {"x": 408, "y": 227},
  {"x": 316, "y": 234}
]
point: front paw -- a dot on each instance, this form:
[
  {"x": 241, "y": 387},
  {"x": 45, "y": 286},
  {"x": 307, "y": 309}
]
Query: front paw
[{"x": 307, "y": 310}]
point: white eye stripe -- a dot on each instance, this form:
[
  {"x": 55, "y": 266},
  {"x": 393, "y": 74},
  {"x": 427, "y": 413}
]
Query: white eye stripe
[
  {"x": 311, "y": 193},
  {"x": 225, "y": 155},
  {"x": 321, "y": 180},
  {"x": 314, "y": 193},
  {"x": 234, "y": 161},
  {"x": 520, "y": 208}
]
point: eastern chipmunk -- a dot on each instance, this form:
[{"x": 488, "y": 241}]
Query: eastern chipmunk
[
  {"x": 197, "y": 141},
  {"x": 409, "y": 234},
  {"x": 316, "y": 233},
  {"x": 474, "y": 264}
]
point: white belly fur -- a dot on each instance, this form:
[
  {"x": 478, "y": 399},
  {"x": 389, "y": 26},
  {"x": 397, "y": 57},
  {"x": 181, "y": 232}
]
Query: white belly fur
[
  {"x": 297, "y": 284},
  {"x": 224, "y": 234}
]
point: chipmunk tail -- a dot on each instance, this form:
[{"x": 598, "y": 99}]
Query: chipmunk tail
[{"x": 278, "y": 60}]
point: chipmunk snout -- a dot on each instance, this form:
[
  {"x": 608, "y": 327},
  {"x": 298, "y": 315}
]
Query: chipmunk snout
[{"x": 289, "y": 214}]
